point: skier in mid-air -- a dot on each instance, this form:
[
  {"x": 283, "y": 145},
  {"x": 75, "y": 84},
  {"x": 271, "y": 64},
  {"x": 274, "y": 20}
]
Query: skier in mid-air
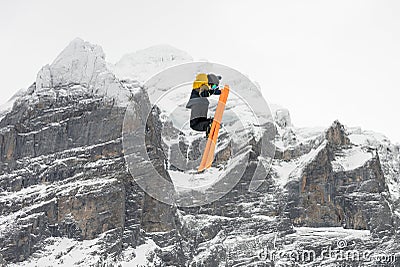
[{"x": 204, "y": 86}]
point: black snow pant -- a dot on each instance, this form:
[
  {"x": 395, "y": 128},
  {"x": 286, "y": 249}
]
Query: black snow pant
[{"x": 200, "y": 124}]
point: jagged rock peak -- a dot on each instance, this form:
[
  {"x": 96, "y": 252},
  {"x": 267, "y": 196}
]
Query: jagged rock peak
[
  {"x": 337, "y": 135},
  {"x": 144, "y": 63},
  {"x": 78, "y": 63},
  {"x": 82, "y": 63},
  {"x": 77, "y": 46}
]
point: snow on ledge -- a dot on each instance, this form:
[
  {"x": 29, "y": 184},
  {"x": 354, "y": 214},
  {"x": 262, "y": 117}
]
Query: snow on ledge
[
  {"x": 62, "y": 251},
  {"x": 351, "y": 159}
]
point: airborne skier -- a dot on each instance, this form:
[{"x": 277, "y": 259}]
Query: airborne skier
[{"x": 204, "y": 86}]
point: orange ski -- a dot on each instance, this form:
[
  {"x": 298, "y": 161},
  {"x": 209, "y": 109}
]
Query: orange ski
[{"x": 208, "y": 154}]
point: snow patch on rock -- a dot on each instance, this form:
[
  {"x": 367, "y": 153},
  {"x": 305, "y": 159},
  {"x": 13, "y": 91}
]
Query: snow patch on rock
[
  {"x": 361, "y": 137},
  {"x": 283, "y": 170},
  {"x": 389, "y": 155},
  {"x": 286, "y": 171},
  {"x": 351, "y": 159},
  {"x": 61, "y": 251}
]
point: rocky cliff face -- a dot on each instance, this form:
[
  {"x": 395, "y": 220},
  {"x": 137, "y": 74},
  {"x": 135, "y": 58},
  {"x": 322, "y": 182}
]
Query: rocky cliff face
[
  {"x": 330, "y": 193},
  {"x": 63, "y": 172},
  {"x": 66, "y": 196}
]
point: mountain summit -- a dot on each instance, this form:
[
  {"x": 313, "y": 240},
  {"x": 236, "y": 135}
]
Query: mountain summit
[{"x": 81, "y": 63}]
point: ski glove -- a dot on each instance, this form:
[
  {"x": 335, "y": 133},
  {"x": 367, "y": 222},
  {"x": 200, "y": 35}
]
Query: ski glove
[{"x": 207, "y": 93}]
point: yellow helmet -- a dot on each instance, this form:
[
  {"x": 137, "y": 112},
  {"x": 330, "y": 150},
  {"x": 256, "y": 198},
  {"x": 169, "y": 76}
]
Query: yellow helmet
[{"x": 201, "y": 79}]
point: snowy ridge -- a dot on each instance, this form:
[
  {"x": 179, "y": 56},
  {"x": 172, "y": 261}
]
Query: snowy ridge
[
  {"x": 389, "y": 155},
  {"x": 6, "y": 107},
  {"x": 143, "y": 64},
  {"x": 286, "y": 171},
  {"x": 289, "y": 136}
]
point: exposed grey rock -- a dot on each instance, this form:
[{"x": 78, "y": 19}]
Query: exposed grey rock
[
  {"x": 66, "y": 152},
  {"x": 356, "y": 199},
  {"x": 336, "y": 135}
]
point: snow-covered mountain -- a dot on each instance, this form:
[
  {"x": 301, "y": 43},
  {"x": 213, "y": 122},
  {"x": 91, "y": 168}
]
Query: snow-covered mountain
[
  {"x": 67, "y": 198},
  {"x": 84, "y": 65}
]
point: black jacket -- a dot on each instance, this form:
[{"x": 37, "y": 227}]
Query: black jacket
[{"x": 198, "y": 103}]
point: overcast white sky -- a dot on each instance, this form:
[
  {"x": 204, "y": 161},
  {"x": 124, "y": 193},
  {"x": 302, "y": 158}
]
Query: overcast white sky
[{"x": 323, "y": 60}]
